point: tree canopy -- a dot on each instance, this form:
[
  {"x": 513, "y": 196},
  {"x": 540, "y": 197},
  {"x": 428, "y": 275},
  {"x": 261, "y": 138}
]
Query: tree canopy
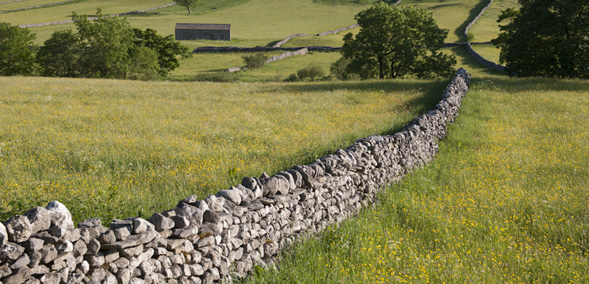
[
  {"x": 108, "y": 47},
  {"x": 17, "y": 51},
  {"x": 548, "y": 38},
  {"x": 186, "y": 3},
  {"x": 397, "y": 41}
]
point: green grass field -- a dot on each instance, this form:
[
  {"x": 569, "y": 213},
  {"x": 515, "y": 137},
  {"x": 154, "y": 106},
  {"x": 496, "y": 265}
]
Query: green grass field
[
  {"x": 505, "y": 200},
  {"x": 12, "y": 5},
  {"x": 108, "y": 148}
]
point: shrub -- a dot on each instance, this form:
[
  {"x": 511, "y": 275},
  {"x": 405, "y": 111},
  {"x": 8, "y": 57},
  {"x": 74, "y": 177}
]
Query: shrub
[
  {"x": 312, "y": 71},
  {"x": 255, "y": 61}
]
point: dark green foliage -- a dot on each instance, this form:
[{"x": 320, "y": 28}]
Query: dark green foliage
[
  {"x": 548, "y": 38},
  {"x": 144, "y": 64},
  {"x": 108, "y": 47},
  {"x": 255, "y": 61},
  {"x": 222, "y": 77},
  {"x": 312, "y": 71},
  {"x": 186, "y": 3},
  {"x": 339, "y": 70},
  {"x": 167, "y": 49},
  {"x": 292, "y": 78},
  {"x": 397, "y": 41},
  {"x": 107, "y": 42},
  {"x": 17, "y": 51},
  {"x": 361, "y": 2},
  {"x": 61, "y": 54}
]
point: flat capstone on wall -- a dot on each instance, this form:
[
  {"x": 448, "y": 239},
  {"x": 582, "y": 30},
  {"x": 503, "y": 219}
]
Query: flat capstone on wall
[{"x": 226, "y": 235}]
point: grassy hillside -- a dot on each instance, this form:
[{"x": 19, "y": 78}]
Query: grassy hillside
[
  {"x": 251, "y": 20},
  {"x": 108, "y": 148}
]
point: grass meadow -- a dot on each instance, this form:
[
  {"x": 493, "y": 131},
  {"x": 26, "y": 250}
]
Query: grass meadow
[
  {"x": 505, "y": 201},
  {"x": 108, "y": 148}
]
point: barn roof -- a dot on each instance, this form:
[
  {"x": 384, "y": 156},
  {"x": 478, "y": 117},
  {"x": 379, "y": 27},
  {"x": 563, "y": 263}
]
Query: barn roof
[{"x": 220, "y": 27}]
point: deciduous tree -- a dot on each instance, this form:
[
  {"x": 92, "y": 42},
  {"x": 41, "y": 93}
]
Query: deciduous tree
[
  {"x": 60, "y": 55},
  {"x": 167, "y": 48},
  {"x": 17, "y": 51},
  {"x": 548, "y": 38},
  {"x": 186, "y": 3},
  {"x": 107, "y": 41},
  {"x": 397, "y": 41}
]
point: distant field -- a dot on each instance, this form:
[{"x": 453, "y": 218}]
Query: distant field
[
  {"x": 83, "y": 7},
  {"x": 108, "y": 148},
  {"x": 487, "y": 27},
  {"x": 253, "y": 20},
  {"x": 12, "y": 5}
]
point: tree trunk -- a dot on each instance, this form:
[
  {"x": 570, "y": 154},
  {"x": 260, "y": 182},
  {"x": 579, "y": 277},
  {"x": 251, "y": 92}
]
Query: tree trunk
[
  {"x": 381, "y": 68},
  {"x": 189, "y": 10}
]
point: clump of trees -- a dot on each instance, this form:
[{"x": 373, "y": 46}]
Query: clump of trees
[
  {"x": 394, "y": 42},
  {"x": 107, "y": 47},
  {"x": 548, "y": 38}
]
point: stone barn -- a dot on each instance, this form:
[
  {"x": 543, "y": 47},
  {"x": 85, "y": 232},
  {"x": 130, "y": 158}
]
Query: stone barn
[{"x": 203, "y": 31}]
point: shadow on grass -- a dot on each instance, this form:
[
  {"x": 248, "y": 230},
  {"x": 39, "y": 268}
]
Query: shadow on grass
[
  {"x": 467, "y": 61},
  {"x": 144, "y": 14},
  {"x": 271, "y": 44}
]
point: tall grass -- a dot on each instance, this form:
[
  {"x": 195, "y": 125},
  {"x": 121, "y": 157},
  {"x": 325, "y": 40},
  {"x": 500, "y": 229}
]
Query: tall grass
[
  {"x": 108, "y": 148},
  {"x": 504, "y": 202}
]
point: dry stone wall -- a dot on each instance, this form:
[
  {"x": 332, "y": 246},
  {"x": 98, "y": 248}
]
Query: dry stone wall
[
  {"x": 94, "y": 18},
  {"x": 476, "y": 55},
  {"x": 38, "y": 6},
  {"x": 280, "y": 43},
  {"x": 225, "y": 235},
  {"x": 287, "y": 54}
]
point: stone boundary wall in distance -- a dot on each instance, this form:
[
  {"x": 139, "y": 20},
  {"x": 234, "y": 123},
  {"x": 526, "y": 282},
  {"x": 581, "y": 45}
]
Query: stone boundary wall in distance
[
  {"x": 476, "y": 55},
  {"x": 38, "y": 6},
  {"x": 223, "y": 49},
  {"x": 287, "y": 54},
  {"x": 280, "y": 43},
  {"x": 227, "y": 234},
  {"x": 94, "y": 18},
  {"x": 338, "y": 30},
  {"x": 346, "y": 28}
]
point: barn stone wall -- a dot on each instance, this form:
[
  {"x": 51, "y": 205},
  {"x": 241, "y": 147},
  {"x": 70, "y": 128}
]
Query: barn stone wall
[
  {"x": 182, "y": 34},
  {"x": 224, "y": 235}
]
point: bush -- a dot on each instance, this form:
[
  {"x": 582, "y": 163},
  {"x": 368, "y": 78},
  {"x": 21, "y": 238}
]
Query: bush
[
  {"x": 217, "y": 77},
  {"x": 338, "y": 69},
  {"x": 255, "y": 61},
  {"x": 292, "y": 78},
  {"x": 312, "y": 71},
  {"x": 469, "y": 37}
]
